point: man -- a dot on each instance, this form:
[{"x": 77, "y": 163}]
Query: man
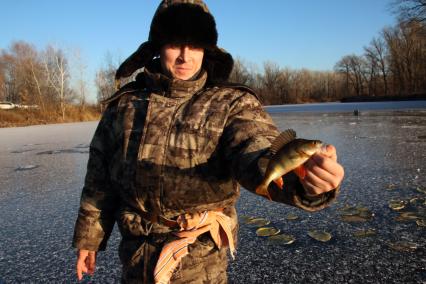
[{"x": 170, "y": 152}]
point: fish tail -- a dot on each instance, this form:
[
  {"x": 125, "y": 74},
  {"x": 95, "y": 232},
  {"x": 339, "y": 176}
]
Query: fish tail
[
  {"x": 262, "y": 190},
  {"x": 300, "y": 171},
  {"x": 280, "y": 182}
]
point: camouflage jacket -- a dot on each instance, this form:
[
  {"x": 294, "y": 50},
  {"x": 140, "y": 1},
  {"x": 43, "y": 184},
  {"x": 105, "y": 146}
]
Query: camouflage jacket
[{"x": 169, "y": 146}]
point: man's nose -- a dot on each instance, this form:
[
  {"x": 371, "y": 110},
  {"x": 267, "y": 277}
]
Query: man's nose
[{"x": 184, "y": 53}]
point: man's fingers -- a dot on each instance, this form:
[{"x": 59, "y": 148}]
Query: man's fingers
[
  {"x": 91, "y": 262},
  {"x": 317, "y": 182},
  {"x": 310, "y": 188},
  {"x": 322, "y": 174},
  {"x": 313, "y": 169},
  {"x": 86, "y": 262},
  {"x": 79, "y": 274},
  {"x": 327, "y": 164},
  {"x": 81, "y": 268},
  {"x": 329, "y": 151}
]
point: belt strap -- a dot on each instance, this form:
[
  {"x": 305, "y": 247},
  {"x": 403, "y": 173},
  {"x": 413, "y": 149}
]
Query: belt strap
[
  {"x": 191, "y": 226},
  {"x": 157, "y": 219}
]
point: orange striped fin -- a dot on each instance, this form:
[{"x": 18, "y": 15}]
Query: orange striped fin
[
  {"x": 262, "y": 190},
  {"x": 280, "y": 182},
  {"x": 300, "y": 171}
]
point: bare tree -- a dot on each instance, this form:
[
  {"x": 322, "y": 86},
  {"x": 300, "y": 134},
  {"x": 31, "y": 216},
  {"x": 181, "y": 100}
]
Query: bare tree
[
  {"x": 36, "y": 74},
  {"x": 2, "y": 80},
  {"x": 57, "y": 75},
  {"x": 80, "y": 75},
  {"x": 343, "y": 67},
  {"x": 242, "y": 73},
  {"x": 407, "y": 54},
  {"x": 271, "y": 78},
  {"x": 410, "y": 10},
  {"x": 376, "y": 55},
  {"x": 105, "y": 78},
  {"x": 17, "y": 84},
  {"x": 353, "y": 67}
]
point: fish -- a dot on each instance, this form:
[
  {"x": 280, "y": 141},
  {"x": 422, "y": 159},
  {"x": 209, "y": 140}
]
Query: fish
[{"x": 288, "y": 154}]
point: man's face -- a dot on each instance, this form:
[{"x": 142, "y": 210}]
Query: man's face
[{"x": 181, "y": 61}]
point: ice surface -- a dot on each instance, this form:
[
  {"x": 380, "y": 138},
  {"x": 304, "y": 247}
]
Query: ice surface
[{"x": 379, "y": 150}]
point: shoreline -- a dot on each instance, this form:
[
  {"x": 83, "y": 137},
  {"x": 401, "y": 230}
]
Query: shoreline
[
  {"x": 361, "y": 99},
  {"x": 28, "y": 117},
  {"x": 350, "y": 105}
]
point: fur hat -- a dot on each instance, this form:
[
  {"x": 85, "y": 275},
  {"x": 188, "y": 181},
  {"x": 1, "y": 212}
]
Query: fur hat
[{"x": 181, "y": 22}]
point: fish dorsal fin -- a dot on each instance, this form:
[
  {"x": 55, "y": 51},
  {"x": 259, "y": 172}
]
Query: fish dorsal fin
[{"x": 282, "y": 139}]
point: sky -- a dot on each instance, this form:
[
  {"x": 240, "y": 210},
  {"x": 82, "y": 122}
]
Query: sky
[{"x": 311, "y": 34}]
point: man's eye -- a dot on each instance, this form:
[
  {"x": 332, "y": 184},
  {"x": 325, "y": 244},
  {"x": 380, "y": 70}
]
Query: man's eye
[
  {"x": 173, "y": 46},
  {"x": 196, "y": 48}
]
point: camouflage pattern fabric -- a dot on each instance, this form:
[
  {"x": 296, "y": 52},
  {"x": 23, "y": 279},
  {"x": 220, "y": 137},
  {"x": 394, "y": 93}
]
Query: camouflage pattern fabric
[{"x": 167, "y": 147}]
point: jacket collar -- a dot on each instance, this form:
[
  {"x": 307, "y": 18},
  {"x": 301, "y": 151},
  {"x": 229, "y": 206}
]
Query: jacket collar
[{"x": 173, "y": 88}]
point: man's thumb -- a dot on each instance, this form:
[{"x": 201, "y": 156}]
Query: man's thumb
[{"x": 329, "y": 151}]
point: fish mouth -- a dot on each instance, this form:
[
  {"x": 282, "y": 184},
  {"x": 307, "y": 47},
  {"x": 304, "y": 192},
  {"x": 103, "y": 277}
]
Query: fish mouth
[
  {"x": 303, "y": 153},
  {"x": 311, "y": 152}
]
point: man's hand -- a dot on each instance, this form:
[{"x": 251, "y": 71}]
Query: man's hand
[
  {"x": 86, "y": 262},
  {"x": 323, "y": 172}
]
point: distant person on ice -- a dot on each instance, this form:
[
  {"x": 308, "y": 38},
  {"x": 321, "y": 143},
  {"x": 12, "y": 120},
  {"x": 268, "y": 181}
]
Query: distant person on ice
[{"x": 171, "y": 151}]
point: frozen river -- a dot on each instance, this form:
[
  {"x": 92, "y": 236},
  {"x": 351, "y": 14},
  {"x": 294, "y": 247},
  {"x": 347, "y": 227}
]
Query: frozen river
[{"x": 383, "y": 152}]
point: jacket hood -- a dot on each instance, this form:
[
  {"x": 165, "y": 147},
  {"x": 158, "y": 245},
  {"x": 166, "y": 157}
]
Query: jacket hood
[{"x": 181, "y": 22}]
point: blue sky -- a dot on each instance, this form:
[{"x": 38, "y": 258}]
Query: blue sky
[{"x": 312, "y": 34}]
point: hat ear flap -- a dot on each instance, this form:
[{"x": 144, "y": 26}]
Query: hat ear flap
[
  {"x": 218, "y": 64},
  {"x": 144, "y": 54}
]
